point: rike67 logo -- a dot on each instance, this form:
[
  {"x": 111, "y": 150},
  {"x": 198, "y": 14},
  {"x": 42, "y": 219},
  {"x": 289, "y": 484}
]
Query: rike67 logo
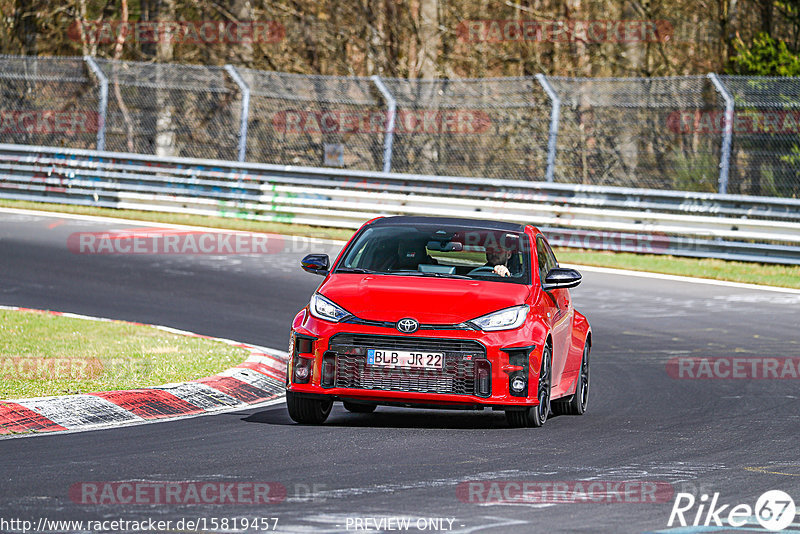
[{"x": 774, "y": 510}]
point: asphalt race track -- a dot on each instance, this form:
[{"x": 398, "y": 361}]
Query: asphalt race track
[{"x": 735, "y": 437}]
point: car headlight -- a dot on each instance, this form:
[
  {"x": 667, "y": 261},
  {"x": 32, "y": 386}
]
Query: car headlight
[
  {"x": 323, "y": 308},
  {"x": 506, "y": 319}
]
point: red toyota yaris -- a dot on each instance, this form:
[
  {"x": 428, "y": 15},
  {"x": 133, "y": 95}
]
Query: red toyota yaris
[{"x": 436, "y": 312}]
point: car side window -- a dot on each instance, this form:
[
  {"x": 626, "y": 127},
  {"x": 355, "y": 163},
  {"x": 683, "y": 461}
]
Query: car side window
[
  {"x": 545, "y": 258},
  {"x": 551, "y": 255}
]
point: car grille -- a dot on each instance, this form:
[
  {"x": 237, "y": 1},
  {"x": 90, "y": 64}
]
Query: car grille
[{"x": 457, "y": 375}]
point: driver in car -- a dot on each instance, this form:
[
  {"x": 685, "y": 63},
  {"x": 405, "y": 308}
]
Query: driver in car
[{"x": 497, "y": 256}]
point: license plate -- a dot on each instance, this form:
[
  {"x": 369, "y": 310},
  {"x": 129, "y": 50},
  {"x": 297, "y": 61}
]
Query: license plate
[{"x": 404, "y": 358}]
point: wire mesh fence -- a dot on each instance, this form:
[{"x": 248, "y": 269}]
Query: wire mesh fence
[
  {"x": 48, "y": 101},
  {"x": 765, "y": 156},
  {"x": 494, "y": 128},
  {"x": 171, "y": 110},
  {"x": 660, "y": 133},
  {"x": 629, "y": 132},
  {"x": 314, "y": 120}
]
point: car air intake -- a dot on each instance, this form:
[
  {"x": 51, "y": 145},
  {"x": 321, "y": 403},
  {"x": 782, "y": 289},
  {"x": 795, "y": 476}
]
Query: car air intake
[
  {"x": 456, "y": 377},
  {"x": 328, "y": 369}
]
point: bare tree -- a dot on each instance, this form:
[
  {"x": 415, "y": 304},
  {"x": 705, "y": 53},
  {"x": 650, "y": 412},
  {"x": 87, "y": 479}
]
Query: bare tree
[
  {"x": 165, "y": 132},
  {"x": 25, "y": 28},
  {"x": 428, "y": 38}
]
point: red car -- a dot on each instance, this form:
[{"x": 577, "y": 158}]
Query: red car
[{"x": 434, "y": 312}]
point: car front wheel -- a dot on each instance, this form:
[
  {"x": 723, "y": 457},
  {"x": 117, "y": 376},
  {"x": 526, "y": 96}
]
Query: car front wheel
[
  {"x": 535, "y": 416},
  {"x": 308, "y": 411},
  {"x": 576, "y": 404}
]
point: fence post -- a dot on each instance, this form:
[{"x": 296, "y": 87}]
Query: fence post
[
  {"x": 102, "y": 106},
  {"x": 555, "y": 114},
  {"x": 245, "y": 115},
  {"x": 725, "y": 157},
  {"x": 388, "y": 139}
]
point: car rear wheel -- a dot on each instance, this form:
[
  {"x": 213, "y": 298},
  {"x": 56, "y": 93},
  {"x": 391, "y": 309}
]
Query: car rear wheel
[
  {"x": 576, "y": 404},
  {"x": 359, "y": 408},
  {"x": 308, "y": 411},
  {"x": 535, "y": 416}
]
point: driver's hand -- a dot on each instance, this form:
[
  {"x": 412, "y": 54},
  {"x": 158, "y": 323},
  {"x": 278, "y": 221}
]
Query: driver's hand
[{"x": 501, "y": 270}]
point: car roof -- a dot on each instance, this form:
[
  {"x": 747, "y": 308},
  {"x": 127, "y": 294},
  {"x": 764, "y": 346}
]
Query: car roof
[{"x": 483, "y": 224}]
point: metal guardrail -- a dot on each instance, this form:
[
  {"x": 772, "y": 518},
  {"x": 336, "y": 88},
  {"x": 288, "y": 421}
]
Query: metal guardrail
[{"x": 735, "y": 227}]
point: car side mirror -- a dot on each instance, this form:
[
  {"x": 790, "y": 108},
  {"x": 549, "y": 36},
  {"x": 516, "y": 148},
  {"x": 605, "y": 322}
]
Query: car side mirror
[
  {"x": 561, "y": 278},
  {"x": 315, "y": 264}
]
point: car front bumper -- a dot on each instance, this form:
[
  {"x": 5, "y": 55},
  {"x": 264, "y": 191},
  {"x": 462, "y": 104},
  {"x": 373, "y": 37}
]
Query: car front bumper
[{"x": 328, "y": 360}]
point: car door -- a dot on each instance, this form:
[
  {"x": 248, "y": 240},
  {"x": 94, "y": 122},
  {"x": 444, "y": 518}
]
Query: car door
[{"x": 560, "y": 314}]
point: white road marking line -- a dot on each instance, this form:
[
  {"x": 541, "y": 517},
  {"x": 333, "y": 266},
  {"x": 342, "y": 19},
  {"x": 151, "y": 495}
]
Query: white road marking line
[{"x": 676, "y": 278}]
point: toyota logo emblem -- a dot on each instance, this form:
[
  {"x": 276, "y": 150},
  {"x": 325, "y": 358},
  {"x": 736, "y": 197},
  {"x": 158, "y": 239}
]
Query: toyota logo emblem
[{"x": 407, "y": 325}]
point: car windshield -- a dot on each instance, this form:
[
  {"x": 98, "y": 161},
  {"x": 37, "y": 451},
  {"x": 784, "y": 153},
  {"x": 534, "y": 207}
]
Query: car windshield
[{"x": 440, "y": 251}]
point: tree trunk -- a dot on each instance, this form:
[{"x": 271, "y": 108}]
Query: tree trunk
[
  {"x": 375, "y": 17},
  {"x": 765, "y": 11},
  {"x": 25, "y": 26},
  {"x": 165, "y": 132},
  {"x": 242, "y": 54},
  {"x": 429, "y": 38}
]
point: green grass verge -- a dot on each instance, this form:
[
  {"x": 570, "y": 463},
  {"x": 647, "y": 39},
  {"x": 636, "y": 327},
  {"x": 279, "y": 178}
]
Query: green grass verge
[
  {"x": 754, "y": 273},
  {"x": 43, "y": 354}
]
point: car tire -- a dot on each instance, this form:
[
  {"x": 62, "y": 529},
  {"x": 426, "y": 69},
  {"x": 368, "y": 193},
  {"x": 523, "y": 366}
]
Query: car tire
[
  {"x": 359, "y": 408},
  {"x": 576, "y": 404},
  {"x": 535, "y": 416},
  {"x": 308, "y": 411}
]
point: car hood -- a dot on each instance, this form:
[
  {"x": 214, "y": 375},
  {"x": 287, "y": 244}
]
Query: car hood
[{"x": 428, "y": 300}]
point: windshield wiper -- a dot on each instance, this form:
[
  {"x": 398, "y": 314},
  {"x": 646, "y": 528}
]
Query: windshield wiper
[
  {"x": 360, "y": 270},
  {"x": 436, "y": 275},
  {"x": 446, "y": 275}
]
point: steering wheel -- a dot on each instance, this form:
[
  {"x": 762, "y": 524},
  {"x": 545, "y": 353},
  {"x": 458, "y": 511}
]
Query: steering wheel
[{"x": 483, "y": 269}]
